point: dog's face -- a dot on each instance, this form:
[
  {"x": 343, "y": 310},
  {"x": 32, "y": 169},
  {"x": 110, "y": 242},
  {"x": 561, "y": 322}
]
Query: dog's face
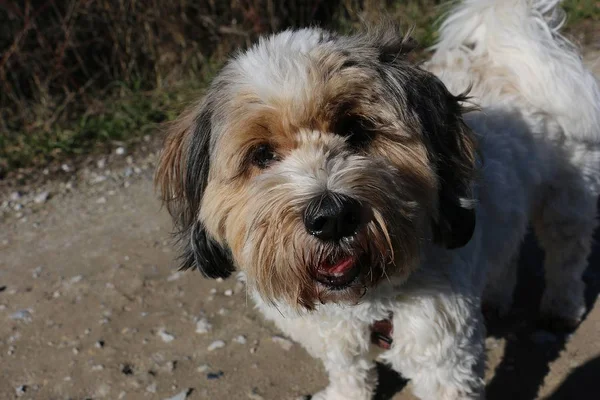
[{"x": 319, "y": 165}]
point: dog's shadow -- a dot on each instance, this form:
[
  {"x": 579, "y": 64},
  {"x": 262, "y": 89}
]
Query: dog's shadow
[{"x": 529, "y": 350}]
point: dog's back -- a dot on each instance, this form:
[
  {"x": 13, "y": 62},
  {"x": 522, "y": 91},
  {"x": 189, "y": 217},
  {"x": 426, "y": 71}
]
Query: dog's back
[{"x": 542, "y": 105}]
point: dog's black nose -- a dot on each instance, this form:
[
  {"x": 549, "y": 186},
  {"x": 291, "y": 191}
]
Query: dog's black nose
[{"x": 332, "y": 216}]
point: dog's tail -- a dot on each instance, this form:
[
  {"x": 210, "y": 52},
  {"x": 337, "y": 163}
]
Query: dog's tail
[{"x": 512, "y": 54}]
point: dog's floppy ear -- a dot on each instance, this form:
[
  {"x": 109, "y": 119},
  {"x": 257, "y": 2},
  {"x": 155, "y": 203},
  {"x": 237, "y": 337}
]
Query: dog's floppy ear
[
  {"x": 182, "y": 176},
  {"x": 453, "y": 151},
  {"x": 430, "y": 108}
]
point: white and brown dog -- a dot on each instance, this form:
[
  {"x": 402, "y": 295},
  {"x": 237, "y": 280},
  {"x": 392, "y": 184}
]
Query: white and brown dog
[{"x": 351, "y": 186}]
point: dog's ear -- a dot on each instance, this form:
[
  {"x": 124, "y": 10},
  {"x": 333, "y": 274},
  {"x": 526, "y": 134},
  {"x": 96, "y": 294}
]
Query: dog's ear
[
  {"x": 434, "y": 112},
  {"x": 453, "y": 151},
  {"x": 182, "y": 176}
]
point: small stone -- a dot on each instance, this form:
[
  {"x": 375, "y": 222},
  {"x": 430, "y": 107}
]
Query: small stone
[
  {"x": 101, "y": 200},
  {"x": 36, "y": 272},
  {"x": 213, "y": 291},
  {"x": 165, "y": 336},
  {"x": 203, "y": 326},
  {"x": 42, "y": 197},
  {"x": 253, "y": 395},
  {"x": 129, "y": 160},
  {"x": 151, "y": 388},
  {"x": 241, "y": 339},
  {"x": 137, "y": 170},
  {"x": 11, "y": 350},
  {"x": 228, "y": 293},
  {"x": 127, "y": 369},
  {"x": 214, "y": 375},
  {"x": 98, "y": 367},
  {"x": 21, "y": 315},
  {"x": 75, "y": 279},
  {"x": 285, "y": 344},
  {"x": 65, "y": 168},
  {"x": 67, "y": 379},
  {"x": 20, "y": 390},
  {"x": 75, "y": 350},
  {"x": 174, "y": 276},
  {"x": 146, "y": 138},
  {"x": 120, "y": 151},
  {"x": 15, "y": 196},
  {"x": 203, "y": 368},
  {"x": 18, "y": 207},
  {"x": 223, "y": 311},
  {"x": 181, "y": 395},
  {"x": 217, "y": 344},
  {"x": 101, "y": 163},
  {"x": 127, "y": 172},
  {"x": 99, "y": 344},
  {"x": 219, "y": 280},
  {"x": 98, "y": 179}
]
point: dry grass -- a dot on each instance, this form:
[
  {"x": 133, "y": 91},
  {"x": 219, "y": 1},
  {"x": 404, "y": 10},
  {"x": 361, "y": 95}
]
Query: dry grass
[{"x": 78, "y": 73}]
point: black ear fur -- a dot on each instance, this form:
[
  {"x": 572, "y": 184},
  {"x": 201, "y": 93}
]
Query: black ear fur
[
  {"x": 452, "y": 147},
  {"x": 451, "y": 143},
  {"x": 203, "y": 253},
  {"x": 183, "y": 176}
]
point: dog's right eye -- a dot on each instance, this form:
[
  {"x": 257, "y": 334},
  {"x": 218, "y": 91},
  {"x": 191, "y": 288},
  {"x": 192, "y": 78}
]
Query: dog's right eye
[{"x": 263, "y": 155}]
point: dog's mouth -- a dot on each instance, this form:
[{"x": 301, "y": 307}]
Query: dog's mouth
[{"x": 340, "y": 273}]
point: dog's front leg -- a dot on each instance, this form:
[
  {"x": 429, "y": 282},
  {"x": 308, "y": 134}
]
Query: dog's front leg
[
  {"x": 438, "y": 343},
  {"x": 343, "y": 346}
]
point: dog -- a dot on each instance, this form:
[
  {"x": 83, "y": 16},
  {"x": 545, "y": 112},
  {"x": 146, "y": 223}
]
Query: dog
[{"x": 351, "y": 186}]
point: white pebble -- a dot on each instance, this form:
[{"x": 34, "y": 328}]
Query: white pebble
[
  {"x": 21, "y": 315},
  {"x": 174, "y": 276},
  {"x": 203, "y": 368},
  {"x": 213, "y": 291},
  {"x": 15, "y": 196},
  {"x": 241, "y": 339},
  {"x": 42, "y": 197},
  {"x": 223, "y": 311},
  {"x": 120, "y": 151},
  {"x": 217, "y": 344},
  {"x": 180, "y": 396},
  {"x": 101, "y": 200},
  {"x": 98, "y": 367},
  {"x": 285, "y": 344},
  {"x": 228, "y": 293},
  {"x": 203, "y": 326},
  {"x": 165, "y": 336},
  {"x": 101, "y": 163},
  {"x": 151, "y": 388}
]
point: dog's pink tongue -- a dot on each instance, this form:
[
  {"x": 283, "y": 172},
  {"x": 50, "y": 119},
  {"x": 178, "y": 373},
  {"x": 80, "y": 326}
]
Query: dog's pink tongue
[{"x": 341, "y": 266}]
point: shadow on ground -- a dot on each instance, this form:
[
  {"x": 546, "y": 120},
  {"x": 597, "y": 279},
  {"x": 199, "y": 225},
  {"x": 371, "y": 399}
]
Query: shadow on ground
[{"x": 525, "y": 364}]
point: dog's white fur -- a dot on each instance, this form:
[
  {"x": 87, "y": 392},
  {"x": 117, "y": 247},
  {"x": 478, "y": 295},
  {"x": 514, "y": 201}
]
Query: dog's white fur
[
  {"x": 540, "y": 141},
  {"x": 538, "y": 134}
]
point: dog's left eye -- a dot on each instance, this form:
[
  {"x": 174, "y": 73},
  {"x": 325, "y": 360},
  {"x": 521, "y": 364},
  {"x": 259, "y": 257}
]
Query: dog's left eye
[{"x": 263, "y": 156}]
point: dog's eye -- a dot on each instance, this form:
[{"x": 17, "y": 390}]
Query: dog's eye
[
  {"x": 263, "y": 155},
  {"x": 358, "y": 131}
]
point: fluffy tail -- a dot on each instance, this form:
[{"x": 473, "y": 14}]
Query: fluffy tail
[{"x": 512, "y": 54}]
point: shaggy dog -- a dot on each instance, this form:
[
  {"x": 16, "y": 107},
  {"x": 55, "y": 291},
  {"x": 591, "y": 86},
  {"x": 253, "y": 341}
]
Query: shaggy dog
[{"x": 350, "y": 186}]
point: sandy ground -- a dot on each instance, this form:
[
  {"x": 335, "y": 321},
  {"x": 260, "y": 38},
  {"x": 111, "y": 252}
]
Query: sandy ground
[{"x": 91, "y": 307}]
